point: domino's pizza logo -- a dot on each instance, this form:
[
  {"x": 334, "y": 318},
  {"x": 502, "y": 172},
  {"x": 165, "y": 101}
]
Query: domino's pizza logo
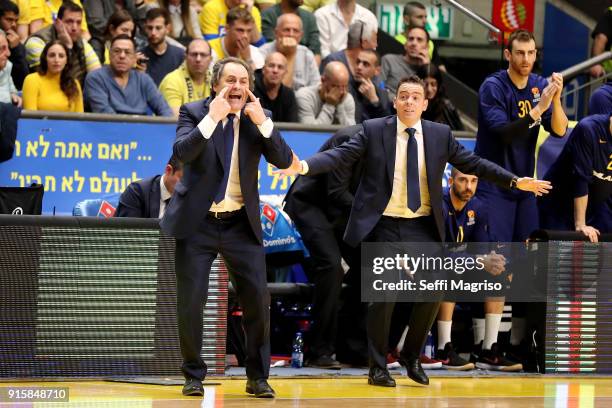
[{"x": 268, "y": 219}]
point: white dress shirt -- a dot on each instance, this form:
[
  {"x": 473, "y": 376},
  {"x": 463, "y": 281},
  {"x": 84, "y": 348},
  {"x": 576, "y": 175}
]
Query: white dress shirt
[
  {"x": 398, "y": 204},
  {"x": 333, "y": 31},
  {"x": 163, "y": 196},
  {"x": 233, "y": 195}
]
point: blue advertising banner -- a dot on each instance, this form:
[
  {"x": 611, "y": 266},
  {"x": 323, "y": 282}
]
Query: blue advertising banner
[{"x": 79, "y": 160}]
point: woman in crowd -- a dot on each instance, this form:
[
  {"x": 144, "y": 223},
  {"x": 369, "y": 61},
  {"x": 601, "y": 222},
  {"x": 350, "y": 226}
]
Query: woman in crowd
[
  {"x": 439, "y": 109},
  {"x": 121, "y": 22},
  {"x": 52, "y": 88},
  {"x": 184, "y": 18}
]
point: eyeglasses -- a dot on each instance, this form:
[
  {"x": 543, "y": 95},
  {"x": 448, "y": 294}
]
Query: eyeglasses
[
  {"x": 198, "y": 54},
  {"x": 119, "y": 51}
]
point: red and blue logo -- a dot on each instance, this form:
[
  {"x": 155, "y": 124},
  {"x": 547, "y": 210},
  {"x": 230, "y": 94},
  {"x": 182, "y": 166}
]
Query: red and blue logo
[{"x": 268, "y": 219}]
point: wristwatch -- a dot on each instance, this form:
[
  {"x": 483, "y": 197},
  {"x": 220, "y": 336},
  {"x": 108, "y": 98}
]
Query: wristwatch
[{"x": 513, "y": 183}]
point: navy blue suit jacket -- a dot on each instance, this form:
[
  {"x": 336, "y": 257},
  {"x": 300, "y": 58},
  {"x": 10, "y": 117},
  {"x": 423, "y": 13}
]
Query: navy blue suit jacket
[
  {"x": 140, "y": 199},
  {"x": 203, "y": 169},
  {"x": 376, "y": 144}
]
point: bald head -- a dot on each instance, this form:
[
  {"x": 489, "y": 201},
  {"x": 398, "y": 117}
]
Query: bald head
[
  {"x": 337, "y": 72},
  {"x": 198, "y": 43},
  {"x": 276, "y": 57},
  {"x": 288, "y": 31},
  {"x": 274, "y": 70},
  {"x": 198, "y": 58},
  {"x": 288, "y": 18}
]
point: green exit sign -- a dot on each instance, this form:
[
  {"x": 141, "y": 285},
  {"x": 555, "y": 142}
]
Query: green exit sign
[{"x": 439, "y": 20}]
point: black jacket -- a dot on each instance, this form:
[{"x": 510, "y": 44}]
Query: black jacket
[
  {"x": 9, "y": 115},
  {"x": 140, "y": 199}
]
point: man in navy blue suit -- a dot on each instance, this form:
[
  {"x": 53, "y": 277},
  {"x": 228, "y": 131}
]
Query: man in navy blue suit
[
  {"x": 148, "y": 198},
  {"x": 215, "y": 210},
  {"x": 399, "y": 199}
]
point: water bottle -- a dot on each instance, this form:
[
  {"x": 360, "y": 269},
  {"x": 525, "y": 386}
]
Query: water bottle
[
  {"x": 297, "y": 353},
  {"x": 429, "y": 346}
]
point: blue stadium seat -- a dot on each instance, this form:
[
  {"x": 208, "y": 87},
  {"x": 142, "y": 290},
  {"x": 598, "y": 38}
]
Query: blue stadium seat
[{"x": 95, "y": 208}]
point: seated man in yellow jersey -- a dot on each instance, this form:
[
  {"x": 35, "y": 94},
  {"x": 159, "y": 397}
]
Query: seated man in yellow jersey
[
  {"x": 213, "y": 19},
  {"x": 190, "y": 82},
  {"x": 68, "y": 29},
  {"x": 235, "y": 43}
]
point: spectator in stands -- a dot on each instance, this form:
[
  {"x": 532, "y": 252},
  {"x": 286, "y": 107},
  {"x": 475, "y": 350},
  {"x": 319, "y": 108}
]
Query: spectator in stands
[
  {"x": 301, "y": 63},
  {"x": 68, "y": 29},
  {"x": 439, "y": 108},
  {"x": 99, "y": 14},
  {"x": 149, "y": 197},
  {"x": 358, "y": 39},
  {"x": 314, "y": 5},
  {"x": 272, "y": 94},
  {"x": 310, "y": 32},
  {"x": 214, "y": 15},
  {"x": 43, "y": 13},
  {"x": 163, "y": 58},
  {"x": 118, "y": 88},
  {"x": 121, "y": 22},
  {"x": 602, "y": 41},
  {"x": 8, "y": 92},
  {"x": 189, "y": 82},
  {"x": 184, "y": 20},
  {"x": 330, "y": 102},
  {"x": 235, "y": 43},
  {"x": 371, "y": 99},
  {"x": 415, "y": 15},
  {"x": 9, "y": 17},
  {"x": 23, "y": 21},
  {"x": 601, "y": 100},
  {"x": 52, "y": 88},
  {"x": 415, "y": 59},
  {"x": 333, "y": 26}
]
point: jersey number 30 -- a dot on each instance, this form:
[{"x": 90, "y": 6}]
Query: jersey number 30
[{"x": 524, "y": 108}]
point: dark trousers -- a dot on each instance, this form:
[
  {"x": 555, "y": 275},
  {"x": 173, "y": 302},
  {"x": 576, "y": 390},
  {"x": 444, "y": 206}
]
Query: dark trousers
[
  {"x": 325, "y": 271},
  {"x": 423, "y": 314},
  {"x": 245, "y": 260}
]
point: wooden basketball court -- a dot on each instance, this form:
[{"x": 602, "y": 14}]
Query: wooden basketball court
[{"x": 482, "y": 392}]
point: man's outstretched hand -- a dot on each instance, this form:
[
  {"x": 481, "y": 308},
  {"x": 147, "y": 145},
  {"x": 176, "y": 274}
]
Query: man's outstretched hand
[
  {"x": 294, "y": 169},
  {"x": 538, "y": 187}
]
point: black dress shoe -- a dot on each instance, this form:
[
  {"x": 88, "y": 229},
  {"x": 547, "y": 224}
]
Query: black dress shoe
[
  {"x": 260, "y": 388},
  {"x": 193, "y": 387},
  {"x": 415, "y": 371},
  {"x": 380, "y": 377}
]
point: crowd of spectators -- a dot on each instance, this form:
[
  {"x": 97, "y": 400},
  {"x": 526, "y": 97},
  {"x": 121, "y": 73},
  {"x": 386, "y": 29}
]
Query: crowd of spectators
[{"x": 148, "y": 57}]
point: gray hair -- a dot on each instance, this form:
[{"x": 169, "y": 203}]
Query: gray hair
[
  {"x": 219, "y": 67},
  {"x": 357, "y": 32},
  {"x": 281, "y": 19}
]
